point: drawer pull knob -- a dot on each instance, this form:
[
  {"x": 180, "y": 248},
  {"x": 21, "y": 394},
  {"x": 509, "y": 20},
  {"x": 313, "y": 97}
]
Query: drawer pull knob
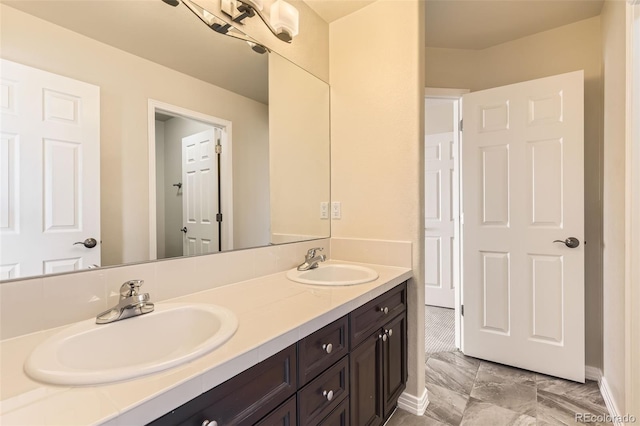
[
  {"x": 389, "y": 332},
  {"x": 383, "y": 337},
  {"x": 327, "y": 347},
  {"x": 384, "y": 310},
  {"x": 328, "y": 395},
  {"x": 209, "y": 423}
]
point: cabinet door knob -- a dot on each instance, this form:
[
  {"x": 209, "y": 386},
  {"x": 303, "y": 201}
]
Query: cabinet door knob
[
  {"x": 384, "y": 310},
  {"x": 209, "y": 423},
  {"x": 389, "y": 332},
  {"x": 328, "y": 395},
  {"x": 327, "y": 347},
  {"x": 383, "y": 337}
]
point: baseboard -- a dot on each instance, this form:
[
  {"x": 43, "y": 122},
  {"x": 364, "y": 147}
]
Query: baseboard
[
  {"x": 593, "y": 373},
  {"x": 412, "y": 404},
  {"x": 610, "y": 403}
]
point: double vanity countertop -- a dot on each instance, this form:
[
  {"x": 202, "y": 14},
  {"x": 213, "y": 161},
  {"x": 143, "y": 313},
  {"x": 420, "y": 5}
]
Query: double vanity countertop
[{"x": 273, "y": 313}]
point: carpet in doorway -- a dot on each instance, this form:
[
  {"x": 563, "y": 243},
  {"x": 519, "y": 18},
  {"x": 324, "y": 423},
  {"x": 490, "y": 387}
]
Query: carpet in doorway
[{"x": 439, "y": 330}]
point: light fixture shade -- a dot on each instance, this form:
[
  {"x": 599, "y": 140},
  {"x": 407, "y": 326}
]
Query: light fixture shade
[{"x": 284, "y": 17}]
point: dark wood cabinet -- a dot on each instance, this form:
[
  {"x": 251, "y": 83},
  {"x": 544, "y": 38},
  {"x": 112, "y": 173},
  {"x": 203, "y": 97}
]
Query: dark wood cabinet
[
  {"x": 366, "y": 382},
  {"x": 379, "y": 362},
  {"x": 284, "y": 415},
  {"x": 243, "y": 399},
  {"x": 338, "y": 417},
  {"x": 322, "y": 349},
  {"x": 318, "y": 398},
  {"x": 394, "y": 362},
  {"x": 350, "y": 372}
]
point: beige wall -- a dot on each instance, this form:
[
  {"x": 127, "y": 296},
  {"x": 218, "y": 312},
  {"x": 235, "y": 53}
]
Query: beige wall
[
  {"x": 126, "y": 83},
  {"x": 309, "y": 49},
  {"x": 298, "y": 152},
  {"x": 615, "y": 93},
  {"x": 160, "y": 191},
  {"x": 564, "y": 49},
  {"x": 377, "y": 128}
]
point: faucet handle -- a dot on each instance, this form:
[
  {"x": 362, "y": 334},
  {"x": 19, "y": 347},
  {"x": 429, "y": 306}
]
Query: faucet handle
[
  {"x": 312, "y": 252},
  {"x": 130, "y": 288}
]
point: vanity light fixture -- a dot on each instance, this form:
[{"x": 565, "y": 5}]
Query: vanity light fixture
[
  {"x": 217, "y": 24},
  {"x": 283, "y": 17}
]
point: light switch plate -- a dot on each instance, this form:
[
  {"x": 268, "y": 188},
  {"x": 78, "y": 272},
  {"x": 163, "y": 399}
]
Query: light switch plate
[
  {"x": 336, "y": 210},
  {"x": 324, "y": 210}
]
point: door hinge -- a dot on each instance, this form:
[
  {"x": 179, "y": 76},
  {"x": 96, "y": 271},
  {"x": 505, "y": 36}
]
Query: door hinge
[
  {"x": 218, "y": 217},
  {"x": 218, "y": 148},
  {"x": 462, "y": 310},
  {"x": 461, "y": 125}
]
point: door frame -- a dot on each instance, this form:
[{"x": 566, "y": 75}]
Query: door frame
[
  {"x": 226, "y": 169},
  {"x": 632, "y": 207},
  {"x": 456, "y": 96}
]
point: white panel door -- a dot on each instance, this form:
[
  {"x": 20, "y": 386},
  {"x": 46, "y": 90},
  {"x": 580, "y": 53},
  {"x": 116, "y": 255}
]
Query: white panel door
[
  {"x": 522, "y": 190},
  {"x": 200, "y": 192},
  {"x": 50, "y": 172},
  {"x": 440, "y": 151}
]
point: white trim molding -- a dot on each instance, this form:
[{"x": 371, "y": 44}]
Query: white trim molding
[
  {"x": 413, "y": 404},
  {"x": 610, "y": 402},
  {"x": 632, "y": 213}
]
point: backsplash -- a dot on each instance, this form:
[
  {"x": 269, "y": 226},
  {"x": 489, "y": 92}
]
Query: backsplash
[{"x": 32, "y": 305}]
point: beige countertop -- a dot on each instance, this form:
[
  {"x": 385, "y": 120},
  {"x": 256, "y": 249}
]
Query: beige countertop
[{"x": 273, "y": 313}]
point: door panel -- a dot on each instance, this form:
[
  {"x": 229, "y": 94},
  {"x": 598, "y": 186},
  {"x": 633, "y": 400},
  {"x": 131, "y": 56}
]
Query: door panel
[
  {"x": 523, "y": 189},
  {"x": 439, "y": 219},
  {"x": 49, "y": 172},
  {"x": 200, "y": 193}
]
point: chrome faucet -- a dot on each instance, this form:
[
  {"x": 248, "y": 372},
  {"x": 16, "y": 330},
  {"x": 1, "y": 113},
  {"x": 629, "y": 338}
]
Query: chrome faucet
[
  {"x": 131, "y": 304},
  {"x": 311, "y": 260}
]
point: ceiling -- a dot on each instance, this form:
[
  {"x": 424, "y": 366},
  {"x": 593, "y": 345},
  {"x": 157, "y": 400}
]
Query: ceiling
[
  {"x": 331, "y": 10},
  {"x": 170, "y": 36},
  {"x": 478, "y": 24}
]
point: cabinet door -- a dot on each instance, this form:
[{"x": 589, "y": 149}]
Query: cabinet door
[
  {"x": 284, "y": 415},
  {"x": 366, "y": 382},
  {"x": 339, "y": 416},
  {"x": 394, "y": 362}
]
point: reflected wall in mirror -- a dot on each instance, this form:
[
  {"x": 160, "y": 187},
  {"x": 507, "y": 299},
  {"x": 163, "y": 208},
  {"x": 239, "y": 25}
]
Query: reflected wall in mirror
[{"x": 156, "y": 78}]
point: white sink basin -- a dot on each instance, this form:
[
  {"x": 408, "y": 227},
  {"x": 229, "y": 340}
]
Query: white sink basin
[
  {"x": 87, "y": 353},
  {"x": 334, "y": 274}
]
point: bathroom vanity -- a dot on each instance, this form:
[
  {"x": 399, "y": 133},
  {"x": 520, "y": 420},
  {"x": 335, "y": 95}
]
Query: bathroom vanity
[
  {"x": 350, "y": 372},
  {"x": 277, "y": 366}
]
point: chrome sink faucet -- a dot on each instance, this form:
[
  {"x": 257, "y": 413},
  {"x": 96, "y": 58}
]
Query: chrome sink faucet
[
  {"x": 311, "y": 260},
  {"x": 131, "y": 304}
]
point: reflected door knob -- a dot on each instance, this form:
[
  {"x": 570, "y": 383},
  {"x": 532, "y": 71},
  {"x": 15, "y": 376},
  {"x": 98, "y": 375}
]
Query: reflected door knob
[
  {"x": 88, "y": 243},
  {"x": 184, "y": 229},
  {"x": 570, "y": 242}
]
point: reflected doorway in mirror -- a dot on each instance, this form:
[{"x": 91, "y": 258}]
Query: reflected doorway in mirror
[{"x": 197, "y": 216}]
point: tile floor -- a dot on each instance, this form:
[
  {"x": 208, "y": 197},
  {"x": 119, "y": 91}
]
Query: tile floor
[{"x": 467, "y": 391}]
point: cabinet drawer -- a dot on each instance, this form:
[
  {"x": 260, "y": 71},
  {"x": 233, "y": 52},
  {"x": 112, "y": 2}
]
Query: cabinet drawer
[
  {"x": 243, "y": 399},
  {"x": 339, "y": 416},
  {"x": 284, "y": 415},
  {"x": 374, "y": 314},
  {"x": 321, "y": 349},
  {"x": 324, "y": 393}
]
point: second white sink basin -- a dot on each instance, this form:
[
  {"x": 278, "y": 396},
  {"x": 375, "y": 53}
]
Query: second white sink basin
[
  {"x": 88, "y": 354},
  {"x": 336, "y": 274}
]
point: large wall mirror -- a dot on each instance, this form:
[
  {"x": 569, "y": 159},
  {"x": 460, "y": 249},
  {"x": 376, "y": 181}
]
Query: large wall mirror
[{"x": 131, "y": 132}]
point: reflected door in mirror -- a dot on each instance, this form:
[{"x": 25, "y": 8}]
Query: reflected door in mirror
[{"x": 50, "y": 172}]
